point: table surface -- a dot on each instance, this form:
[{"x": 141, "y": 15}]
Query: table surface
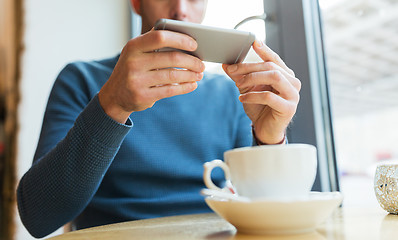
[{"x": 344, "y": 224}]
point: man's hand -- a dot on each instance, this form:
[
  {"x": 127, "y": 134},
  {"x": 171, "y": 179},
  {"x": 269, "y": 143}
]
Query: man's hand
[
  {"x": 143, "y": 76},
  {"x": 269, "y": 93}
]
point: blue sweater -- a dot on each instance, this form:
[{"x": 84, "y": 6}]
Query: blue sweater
[{"x": 92, "y": 170}]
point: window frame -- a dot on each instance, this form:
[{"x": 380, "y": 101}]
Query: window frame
[{"x": 294, "y": 31}]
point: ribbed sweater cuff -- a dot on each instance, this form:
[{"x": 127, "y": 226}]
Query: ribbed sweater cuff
[{"x": 102, "y": 127}]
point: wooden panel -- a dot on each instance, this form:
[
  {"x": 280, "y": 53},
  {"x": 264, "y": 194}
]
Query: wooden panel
[{"x": 10, "y": 50}]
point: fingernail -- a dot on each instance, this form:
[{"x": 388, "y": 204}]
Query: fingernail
[
  {"x": 258, "y": 43},
  {"x": 193, "y": 45},
  {"x": 199, "y": 76},
  {"x": 232, "y": 68}
]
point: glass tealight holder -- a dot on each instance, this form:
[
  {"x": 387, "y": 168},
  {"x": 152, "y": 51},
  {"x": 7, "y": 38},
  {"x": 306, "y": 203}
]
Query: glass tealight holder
[{"x": 386, "y": 187}]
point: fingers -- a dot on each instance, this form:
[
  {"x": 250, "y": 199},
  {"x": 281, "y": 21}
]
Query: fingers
[
  {"x": 169, "y": 68},
  {"x": 172, "y": 76},
  {"x": 272, "y": 78},
  {"x": 238, "y": 71},
  {"x": 154, "y": 40},
  {"x": 277, "y": 103},
  {"x": 162, "y": 68},
  {"x": 142, "y": 76},
  {"x": 266, "y": 54},
  {"x": 265, "y": 76},
  {"x": 246, "y": 68},
  {"x": 159, "y": 60},
  {"x": 166, "y": 91}
]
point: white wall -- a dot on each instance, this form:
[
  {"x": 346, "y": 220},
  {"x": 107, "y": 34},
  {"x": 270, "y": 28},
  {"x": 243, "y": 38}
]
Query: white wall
[{"x": 58, "y": 32}]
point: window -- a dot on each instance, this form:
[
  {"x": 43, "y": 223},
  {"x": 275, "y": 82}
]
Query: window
[{"x": 362, "y": 54}]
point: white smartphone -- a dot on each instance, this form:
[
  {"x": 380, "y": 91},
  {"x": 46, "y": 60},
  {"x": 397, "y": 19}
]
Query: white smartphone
[{"x": 214, "y": 44}]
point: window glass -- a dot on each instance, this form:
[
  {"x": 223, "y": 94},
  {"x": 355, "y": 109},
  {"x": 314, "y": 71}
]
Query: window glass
[{"x": 361, "y": 47}]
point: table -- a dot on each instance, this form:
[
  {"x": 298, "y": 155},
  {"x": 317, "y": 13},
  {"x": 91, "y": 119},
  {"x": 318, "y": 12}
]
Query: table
[{"x": 344, "y": 224}]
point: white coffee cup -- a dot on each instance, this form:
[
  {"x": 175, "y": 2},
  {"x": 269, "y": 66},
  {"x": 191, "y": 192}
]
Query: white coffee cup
[{"x": 282, "y": 171}]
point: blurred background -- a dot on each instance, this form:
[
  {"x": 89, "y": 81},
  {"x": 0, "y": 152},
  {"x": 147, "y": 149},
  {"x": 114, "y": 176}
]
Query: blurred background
[
  {"x": 361, "y": 43},
  {"x": 360, "y": 40}
]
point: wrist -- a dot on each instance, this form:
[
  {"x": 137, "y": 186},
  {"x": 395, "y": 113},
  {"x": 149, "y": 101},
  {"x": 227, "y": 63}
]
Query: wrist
[
  {"x": 112, "y": 110},
  {"x": 271, "y": 141}
]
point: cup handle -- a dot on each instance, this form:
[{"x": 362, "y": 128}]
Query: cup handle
[{"x": 208, "y": 166}]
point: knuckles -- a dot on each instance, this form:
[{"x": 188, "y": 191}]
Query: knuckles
[
  {"x": 159, "y": 37},
  {"x": 267, "y": 96},
  {"x": 291, "y": 72},
  {"x": 175, "y": 58},
  {"x": 276, "y": 75},
  {"x": 131, "y": 46},
  {"x": 133, "y": 65},
  {"x": 291, "y": 110},
  {"x": 170, "y": 91},
  {"x": 172, "y": 75},
  {"x": 268, "y": 66},
  {"x": 297, "y": 84}
]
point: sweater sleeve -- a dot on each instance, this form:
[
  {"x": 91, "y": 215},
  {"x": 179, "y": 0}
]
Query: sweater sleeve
[{"x": 68, "y": 170}]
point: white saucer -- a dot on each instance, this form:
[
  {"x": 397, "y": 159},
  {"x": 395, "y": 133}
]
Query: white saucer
[{"x": 267, "y": 216}]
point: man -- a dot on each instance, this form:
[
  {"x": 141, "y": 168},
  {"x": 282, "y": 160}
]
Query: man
[{"x": 125, "y": 138}]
